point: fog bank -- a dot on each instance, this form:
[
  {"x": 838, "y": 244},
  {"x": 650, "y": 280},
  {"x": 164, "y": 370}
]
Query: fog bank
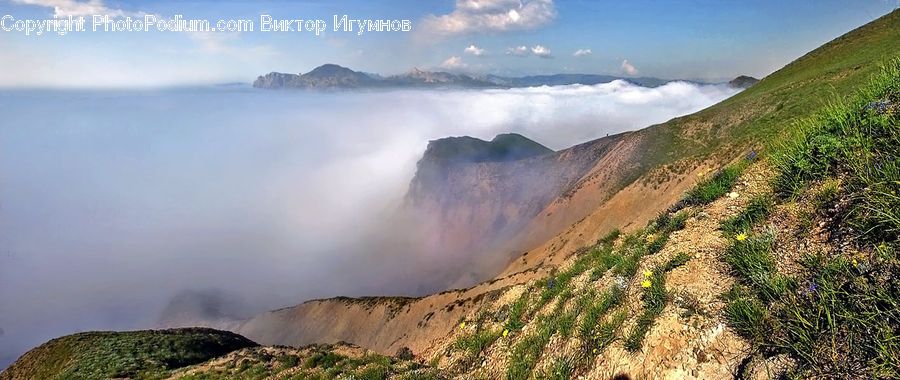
[{"x": 219, "y": 203}]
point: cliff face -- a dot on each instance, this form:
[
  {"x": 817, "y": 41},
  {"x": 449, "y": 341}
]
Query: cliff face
[{"x": 472, "y": 196}]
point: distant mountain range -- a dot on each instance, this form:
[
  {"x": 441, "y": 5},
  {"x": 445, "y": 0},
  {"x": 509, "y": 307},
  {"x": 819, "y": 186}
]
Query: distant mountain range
[{"x": 331, "y": 76}]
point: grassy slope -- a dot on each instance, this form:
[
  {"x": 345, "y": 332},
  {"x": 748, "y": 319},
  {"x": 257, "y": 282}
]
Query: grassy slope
[
  {"x": 839, "y": 317},
  {"x": 758, "y": 114},
  {"x": 137, "y": 354}
]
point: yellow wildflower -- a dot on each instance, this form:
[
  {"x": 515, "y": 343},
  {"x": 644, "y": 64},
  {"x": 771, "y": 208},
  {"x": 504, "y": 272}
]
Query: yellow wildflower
[
  {"x": 505, "y": 332},
  {"x": 708, "y": 170},
  {"x": 462, "y": 325},
  {"x": 646, "y": 283},
  {"x": 854, "y": 262},
  {"x": 648, "y": 273},
  {"x": 699, "y": 174},
  {"x": 741, "y": 237},
  {"x": 651, "y": 236}
]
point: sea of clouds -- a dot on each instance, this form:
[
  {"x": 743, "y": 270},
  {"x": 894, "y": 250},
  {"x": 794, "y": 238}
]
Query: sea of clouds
[{"x": 117, "y": 205}]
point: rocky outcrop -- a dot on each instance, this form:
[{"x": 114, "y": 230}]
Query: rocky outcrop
[
  {"x": 742, "y": 81},
  {"x": 322, "y": 77},
  {"x": 472, "y": 196},
  {"x": 420, "y": 78}
]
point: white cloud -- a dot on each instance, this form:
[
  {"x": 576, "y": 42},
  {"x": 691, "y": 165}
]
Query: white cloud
[
  {"x": 453, "y": 63},
  {"x": 522, "y": 51},
  {"x": 65, "y": 8},
  {"x": 582, "y": 52},
  {"x": 478, "y": 16},
  {"x": 474, "y": 50},
  {"x": 629, "y": 68},
  {"x": 519, "y": 51},
  {"x": 541, "y": 51}
]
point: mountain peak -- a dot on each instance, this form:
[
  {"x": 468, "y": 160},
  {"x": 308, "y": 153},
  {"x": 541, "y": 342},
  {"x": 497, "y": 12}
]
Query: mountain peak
[
  {"x": 742, "y": 81},
  {"x": 503, "y": 147},
  {"x": 330, "y": 69}
]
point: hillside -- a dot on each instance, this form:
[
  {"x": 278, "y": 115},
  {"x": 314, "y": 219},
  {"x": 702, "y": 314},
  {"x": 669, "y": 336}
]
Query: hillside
[
  {"x": 642, "y": 173},
  {"x": 135, "y": 354}
]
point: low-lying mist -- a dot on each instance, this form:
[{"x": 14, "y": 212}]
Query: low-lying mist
[{"x": 218, "y": 203}]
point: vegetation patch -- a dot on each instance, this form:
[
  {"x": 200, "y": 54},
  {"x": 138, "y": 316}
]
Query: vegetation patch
[
  {"x": 841, "y": 317},
  {"x": 717, "y": 185},
  {"x": 756, "y": 211},
  {"x": 149, "y": 354},
  {"x": 654, "y": 299}
]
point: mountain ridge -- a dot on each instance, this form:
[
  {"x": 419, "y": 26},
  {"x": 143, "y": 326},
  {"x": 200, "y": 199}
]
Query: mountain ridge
[{"x": 332, "y": 76}]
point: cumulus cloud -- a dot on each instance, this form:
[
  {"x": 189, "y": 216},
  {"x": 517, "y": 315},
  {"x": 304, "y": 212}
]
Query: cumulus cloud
[
  {"x": 519, "y": 51},
  {"x": 537, "y": 50},
  {"x": 474, "y": 50},
  {"x": 582, "y": 52},
  {"x": 629, "y": 68},
  {"x": 65, "y": 8},
  {"x": 541, "y": 51},
  {"x": 453, "y": 63},
  {"x": 476, "y": 16}
]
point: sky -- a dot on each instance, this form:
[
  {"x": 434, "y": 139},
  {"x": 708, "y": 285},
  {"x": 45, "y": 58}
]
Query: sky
[{"x": 692, "y": 39}]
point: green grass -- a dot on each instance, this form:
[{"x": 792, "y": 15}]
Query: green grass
[
  {"x": 610, "y": 238},
  {"x": 756, "y": 211},
  {"x": 517, "y": 311},
  {"x": 745, "y": 313},
  {"x": 527, "y": 352},
  {"x": 654, "y": 300},
  {"x": 596, "y": 310},
  {"x": 602, "y": 334},
  {"x": 752, "y": 261},
  {"x": 842, "y": 317},
  {"x": 715, "y": 186},
  {"x": 474, "y": 344},
  {"x": 561, "y": 369},
  {"x": 680, "y": 259},
  {"x": 318, "y": 362}
]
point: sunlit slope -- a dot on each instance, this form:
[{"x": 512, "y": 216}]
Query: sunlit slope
[
  {"x": 644, "y": 173},
  {"x": 649, "y": 169},
  {"x": 759, "y": 113}
]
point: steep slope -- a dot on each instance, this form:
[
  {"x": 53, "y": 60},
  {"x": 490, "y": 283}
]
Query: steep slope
[
  {"x": 650, "y": 169},
  {"x": 472, "y": 195},
  {"x": 657, "y": 163},
  {"x": 761, "y": 271}
]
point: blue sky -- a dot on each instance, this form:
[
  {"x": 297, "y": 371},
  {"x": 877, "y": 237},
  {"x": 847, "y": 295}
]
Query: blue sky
[{"x": 690, "y": 39}]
